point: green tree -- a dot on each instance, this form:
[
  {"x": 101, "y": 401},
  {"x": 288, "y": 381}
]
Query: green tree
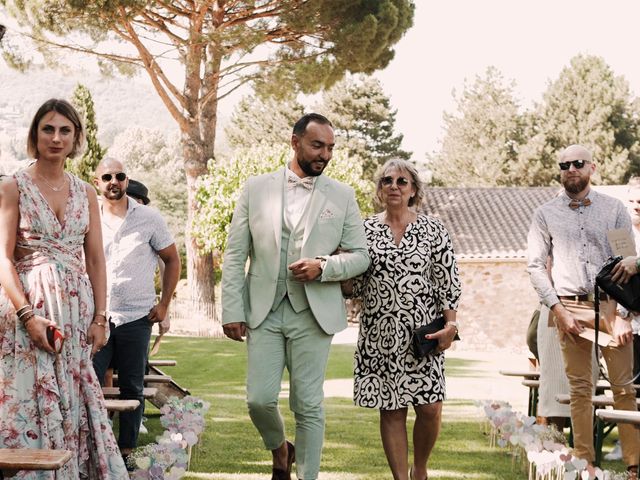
[
  {"x": 218, "y": 191},
  {"x": 282, "y": 46},
  {"x": 364, "y": 121},
  {"x": 481, "y": 142},
  {"x": 588, "y": 105},
  {"x": 85, "y": 166},
  {"x": 258, "y": 120}
]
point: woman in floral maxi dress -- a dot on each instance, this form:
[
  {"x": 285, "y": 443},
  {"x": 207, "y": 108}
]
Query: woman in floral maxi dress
[{"x": 51, "y": 261}]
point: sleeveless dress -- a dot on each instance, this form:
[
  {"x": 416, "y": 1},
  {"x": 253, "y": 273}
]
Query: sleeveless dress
[
  {"x": 405, "y": 287},
  {"x": 54, "y": 401}
]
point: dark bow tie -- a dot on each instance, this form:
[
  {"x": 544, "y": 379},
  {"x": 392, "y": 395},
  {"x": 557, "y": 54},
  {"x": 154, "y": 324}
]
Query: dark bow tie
[
  {"x": 573, "y": 204},
  {"x": 306, "y": 182}
]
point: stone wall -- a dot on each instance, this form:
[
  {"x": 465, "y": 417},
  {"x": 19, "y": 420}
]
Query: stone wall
[{"x": 496, "y": 305}]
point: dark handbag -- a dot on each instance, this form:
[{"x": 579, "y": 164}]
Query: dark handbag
[
  {"x": 423, "y": 346},
  {"x": 628, "y": 294}
]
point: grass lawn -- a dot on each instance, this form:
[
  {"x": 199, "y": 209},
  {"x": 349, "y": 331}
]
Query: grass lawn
[{"x": 215, "y": 371}]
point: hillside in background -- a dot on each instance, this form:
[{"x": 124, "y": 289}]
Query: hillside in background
[{"x": 120, "y": 102}]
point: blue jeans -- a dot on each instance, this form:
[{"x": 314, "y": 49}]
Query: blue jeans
[{"x": 127, "y": 351}]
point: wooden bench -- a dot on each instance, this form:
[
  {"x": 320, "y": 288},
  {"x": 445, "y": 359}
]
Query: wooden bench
[
  {"x": 599, "y": 401},
  {"x": 117, "y": 405},
  {"x": 13, "y": 460},
  {"x": 533, "y": 386},
  {"x": 114, "y": 392},
  {"x": 162, "y": 363},
  {"x": 149, "y": 379},
  {"x": 602, "y": 427},
  {"x": 527, "y": 374},
  {"x": 619, "y": 416}
]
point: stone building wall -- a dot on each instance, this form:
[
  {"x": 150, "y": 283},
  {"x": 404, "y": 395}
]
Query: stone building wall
[{"x": 496, "y": 305}]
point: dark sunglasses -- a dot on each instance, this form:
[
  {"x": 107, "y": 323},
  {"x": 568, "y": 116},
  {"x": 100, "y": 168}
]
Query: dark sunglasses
[
  {"x": 400, "y": 181},
  {"x": 120, "y": 176},
  {"x": 576, "y": 163}
]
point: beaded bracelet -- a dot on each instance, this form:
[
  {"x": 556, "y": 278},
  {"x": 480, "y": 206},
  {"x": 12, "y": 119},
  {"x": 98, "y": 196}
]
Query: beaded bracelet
[{"x": 22, "y": 308}]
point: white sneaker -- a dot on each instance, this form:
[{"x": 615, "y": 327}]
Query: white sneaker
[
  {"x": 615, "y": 454},
  {"x": 143, "y": 430}
]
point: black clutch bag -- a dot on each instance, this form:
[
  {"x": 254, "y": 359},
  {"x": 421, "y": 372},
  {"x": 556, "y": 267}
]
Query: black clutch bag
[
  {"x": 628, "y": 294},
  {"x": 423, "y": 346}
]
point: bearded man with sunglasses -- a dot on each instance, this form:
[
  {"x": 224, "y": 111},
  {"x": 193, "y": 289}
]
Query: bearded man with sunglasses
[
  {"x": 572, "y": 230},
  {"x": 134, "y": 236}
]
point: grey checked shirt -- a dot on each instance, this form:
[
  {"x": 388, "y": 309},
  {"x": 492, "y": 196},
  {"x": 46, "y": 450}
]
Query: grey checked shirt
[{"x": 576, "y": 240}]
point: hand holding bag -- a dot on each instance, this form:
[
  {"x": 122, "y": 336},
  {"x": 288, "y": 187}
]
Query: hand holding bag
[
  {"x": 423, "y": 346},
  {"x": 628, "y": 294}
]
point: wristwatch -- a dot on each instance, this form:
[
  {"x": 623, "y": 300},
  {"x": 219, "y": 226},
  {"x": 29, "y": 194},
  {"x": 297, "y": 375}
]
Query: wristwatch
[{"x": 323, "y": 262}]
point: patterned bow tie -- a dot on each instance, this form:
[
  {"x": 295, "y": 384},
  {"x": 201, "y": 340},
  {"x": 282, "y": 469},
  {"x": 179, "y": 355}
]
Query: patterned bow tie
[
  {"x": 306, "y": 182},
  {"x": 573, "y": 204}
]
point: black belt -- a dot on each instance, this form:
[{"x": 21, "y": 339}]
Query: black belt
[{"x": 587, "y": 297}]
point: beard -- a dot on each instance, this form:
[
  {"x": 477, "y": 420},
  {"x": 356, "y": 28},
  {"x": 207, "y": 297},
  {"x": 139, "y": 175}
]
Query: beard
[
  {"x": 575, "y": 184},
  {"x": 114, "y": 194},
  {"x": 307, "y": 167}
]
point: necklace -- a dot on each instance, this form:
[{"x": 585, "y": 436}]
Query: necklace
[{"x": 55, "y": 189}]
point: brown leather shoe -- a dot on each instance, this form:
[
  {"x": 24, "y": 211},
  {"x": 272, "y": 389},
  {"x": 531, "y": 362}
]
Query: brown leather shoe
[{"x": 279, "y": 473}]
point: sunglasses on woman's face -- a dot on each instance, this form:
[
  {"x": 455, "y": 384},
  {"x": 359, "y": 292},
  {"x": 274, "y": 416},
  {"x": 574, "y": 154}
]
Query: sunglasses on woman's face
[
  {"x": 400, "y": 181},
  {"x": 578, "y": 164},
  {"x": 120, "y": 176}
]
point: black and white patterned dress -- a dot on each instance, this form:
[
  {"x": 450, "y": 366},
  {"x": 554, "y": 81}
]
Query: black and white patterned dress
[{"x": 404, "y": 288}]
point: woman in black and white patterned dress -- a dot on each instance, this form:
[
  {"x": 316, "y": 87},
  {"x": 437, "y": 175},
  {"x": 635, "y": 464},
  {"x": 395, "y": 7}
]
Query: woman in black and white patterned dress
[{"x": 412, "y": 278}]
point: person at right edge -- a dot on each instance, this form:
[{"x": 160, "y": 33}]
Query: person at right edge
[
  {"x": 572, "y": 229},
  {"x": 413, "y": 277}
]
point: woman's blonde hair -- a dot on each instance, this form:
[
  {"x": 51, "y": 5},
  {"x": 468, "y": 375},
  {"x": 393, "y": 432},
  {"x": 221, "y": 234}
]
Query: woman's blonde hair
[{"x": 403, "y": 166}]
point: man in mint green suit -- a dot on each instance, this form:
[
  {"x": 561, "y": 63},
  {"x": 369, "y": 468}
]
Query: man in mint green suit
[{"x": 302, "y": 233}]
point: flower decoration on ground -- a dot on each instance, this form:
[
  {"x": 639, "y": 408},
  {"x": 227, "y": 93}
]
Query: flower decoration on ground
[
  {"x": 168, "y": 458},
  {"x": 184, "y": 416},
  {"x": 541, "y": 446}
]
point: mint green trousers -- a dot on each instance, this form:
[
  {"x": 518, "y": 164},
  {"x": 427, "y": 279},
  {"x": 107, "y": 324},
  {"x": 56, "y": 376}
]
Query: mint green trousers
[{"x": 295, "y": 341}]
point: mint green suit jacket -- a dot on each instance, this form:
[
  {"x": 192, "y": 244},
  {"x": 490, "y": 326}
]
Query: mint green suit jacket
[{"x": 332, "y": 221}]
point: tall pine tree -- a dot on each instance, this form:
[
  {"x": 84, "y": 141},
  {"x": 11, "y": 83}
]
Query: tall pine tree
[
  {"x": 480, "y": 146},
  {"x": 85, "y": 166},
  {"x": 364, "y": 121},
  {"x": 588, "y": 105}
]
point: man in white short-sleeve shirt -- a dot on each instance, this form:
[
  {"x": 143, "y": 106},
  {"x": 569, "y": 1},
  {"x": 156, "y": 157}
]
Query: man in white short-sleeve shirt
[{"x": 134, "y": 236}]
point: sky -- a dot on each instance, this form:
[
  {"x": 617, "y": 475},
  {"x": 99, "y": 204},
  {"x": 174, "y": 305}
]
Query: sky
[{"x": 528, "y": 41}]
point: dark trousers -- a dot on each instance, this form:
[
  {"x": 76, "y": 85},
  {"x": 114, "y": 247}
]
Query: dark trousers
[
  {"x": 128, "y": 352},
  {"x": 636, "y": 359}
]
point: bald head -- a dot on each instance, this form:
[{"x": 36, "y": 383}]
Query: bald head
[
  {"x": 109, "y": 163},
  {"x": 111, "y": 180},
  {"x": 575, "y": 152}
]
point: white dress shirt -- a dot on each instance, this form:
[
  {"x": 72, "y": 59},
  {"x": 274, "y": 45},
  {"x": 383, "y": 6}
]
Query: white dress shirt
[{"x": 295, "y": 199}]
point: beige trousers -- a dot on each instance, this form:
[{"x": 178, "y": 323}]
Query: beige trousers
[{"x": 577, "y": 353}]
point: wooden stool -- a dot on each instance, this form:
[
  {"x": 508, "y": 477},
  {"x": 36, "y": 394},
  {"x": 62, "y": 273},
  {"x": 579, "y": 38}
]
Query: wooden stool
[
  {"x": 116, "y": 405},
  {"x": 13, "y": 460}
]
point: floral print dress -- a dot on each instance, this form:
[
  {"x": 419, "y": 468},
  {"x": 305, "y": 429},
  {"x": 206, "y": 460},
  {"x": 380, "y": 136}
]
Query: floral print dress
[
  {"x": 54, "y": 401},
  {"x": 405, "y": 287}
]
